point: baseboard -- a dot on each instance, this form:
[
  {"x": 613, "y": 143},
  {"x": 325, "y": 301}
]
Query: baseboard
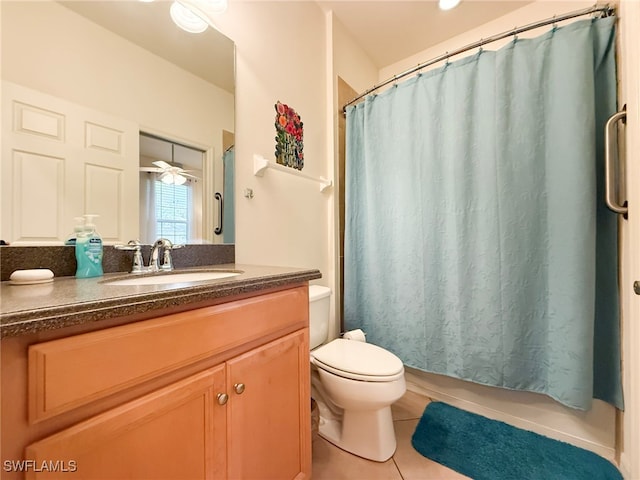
[
  {"x": 624, "y": 466},
  {"x": 421, "y": 385}
]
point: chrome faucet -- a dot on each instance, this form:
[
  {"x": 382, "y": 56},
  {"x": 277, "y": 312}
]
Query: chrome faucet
[{"x": 154, "y": 258}]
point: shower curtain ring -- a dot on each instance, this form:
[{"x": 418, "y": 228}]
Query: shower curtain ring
[{"x": 555, "y": 24}]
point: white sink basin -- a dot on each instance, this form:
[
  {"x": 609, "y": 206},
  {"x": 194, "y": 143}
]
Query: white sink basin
[{"x": 168, "y": 278}]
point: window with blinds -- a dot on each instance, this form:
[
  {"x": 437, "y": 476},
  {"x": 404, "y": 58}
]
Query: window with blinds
[{"x": 173, "y": 206}]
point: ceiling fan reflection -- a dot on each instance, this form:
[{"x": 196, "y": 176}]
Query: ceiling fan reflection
[{"x": 169, "y": 174}]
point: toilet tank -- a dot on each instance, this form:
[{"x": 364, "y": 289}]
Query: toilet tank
[{"x": 319, "y": 299}]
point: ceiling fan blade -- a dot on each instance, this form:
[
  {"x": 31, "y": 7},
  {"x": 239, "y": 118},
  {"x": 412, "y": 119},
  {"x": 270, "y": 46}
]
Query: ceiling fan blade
[
  {"x": 151, "y": 169},
  {"x": 179, "y": 171},
  {"x": 162, "y": 164}
]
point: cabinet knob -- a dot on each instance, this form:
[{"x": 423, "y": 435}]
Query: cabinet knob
[
  {"x": 239, "y": 388},
  {"x": 222, "y": 398}
]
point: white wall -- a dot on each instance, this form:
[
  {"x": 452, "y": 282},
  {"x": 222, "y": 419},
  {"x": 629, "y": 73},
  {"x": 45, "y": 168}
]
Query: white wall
[
  {"x": 594, "y": 430},
  {"x": 285, "y": 51},
  {"x": 350, "y": 61},
  {"x": 280, "y": 55},
  {"x": 47, "y": 47}
]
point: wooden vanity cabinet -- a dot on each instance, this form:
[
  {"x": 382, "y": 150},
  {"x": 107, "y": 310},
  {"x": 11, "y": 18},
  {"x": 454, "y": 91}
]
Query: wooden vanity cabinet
[{"x": 244, "y": 415}]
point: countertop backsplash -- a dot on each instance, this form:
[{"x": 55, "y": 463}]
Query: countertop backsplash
[{"x": 61, "y": 260}]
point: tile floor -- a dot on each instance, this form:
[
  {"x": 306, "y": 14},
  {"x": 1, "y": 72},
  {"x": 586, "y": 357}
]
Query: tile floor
[{"x": 331, "y": 463}]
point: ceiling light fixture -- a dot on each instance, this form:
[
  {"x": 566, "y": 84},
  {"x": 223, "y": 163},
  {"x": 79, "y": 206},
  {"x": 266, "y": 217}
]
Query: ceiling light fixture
[
  {"x": 187, "y": 20},
  {"x": 448, "y": 4},
  {"x": 172, "y": 178},
  {"x": 169, "y": 173},
  {"x": 195, "y": 16}
]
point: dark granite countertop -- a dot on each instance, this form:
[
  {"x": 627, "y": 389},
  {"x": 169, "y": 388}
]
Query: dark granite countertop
[{"x": 69, "y": 301}]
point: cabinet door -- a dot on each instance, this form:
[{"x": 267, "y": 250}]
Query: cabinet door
[
  {"x": 177, "y": 432},
  {"x": 268, "y": 423}
]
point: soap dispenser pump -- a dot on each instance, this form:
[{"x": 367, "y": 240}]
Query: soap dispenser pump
[
  {"x": 77, "y": 230},
  {"x": 89, "y": 250}
]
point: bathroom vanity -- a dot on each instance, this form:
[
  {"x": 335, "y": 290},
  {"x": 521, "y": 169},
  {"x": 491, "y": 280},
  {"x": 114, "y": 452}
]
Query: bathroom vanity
[{"x": 208, "y": 380}]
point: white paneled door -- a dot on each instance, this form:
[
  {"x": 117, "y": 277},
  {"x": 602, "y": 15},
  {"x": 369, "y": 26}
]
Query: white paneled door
[
  {"x": 629, "y": 75},
  {"x": 61, "y": 160}
]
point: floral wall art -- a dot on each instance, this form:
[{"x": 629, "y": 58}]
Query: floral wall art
[{"x": 288, "y": 137}]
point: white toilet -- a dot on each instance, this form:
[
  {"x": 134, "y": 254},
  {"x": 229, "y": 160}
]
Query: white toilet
[{"x": 355, "y": 384}]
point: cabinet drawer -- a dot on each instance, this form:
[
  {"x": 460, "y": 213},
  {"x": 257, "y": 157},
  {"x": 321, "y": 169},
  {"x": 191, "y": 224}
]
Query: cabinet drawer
[{"x": 67, "y": 373}]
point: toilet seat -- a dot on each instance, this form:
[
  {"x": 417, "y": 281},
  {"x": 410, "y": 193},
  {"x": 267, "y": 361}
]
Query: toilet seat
[{"x": 358, "y": 361}]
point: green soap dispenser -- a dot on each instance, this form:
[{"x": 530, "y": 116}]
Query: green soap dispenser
[{"x": 89, "y": 250}]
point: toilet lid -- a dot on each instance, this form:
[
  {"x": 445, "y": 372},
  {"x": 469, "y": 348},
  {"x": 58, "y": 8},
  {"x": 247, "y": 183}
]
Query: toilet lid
[{"x": 358, "y": 358}]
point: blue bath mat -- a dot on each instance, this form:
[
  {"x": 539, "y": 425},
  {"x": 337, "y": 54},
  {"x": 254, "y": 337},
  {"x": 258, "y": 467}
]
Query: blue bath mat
[{"x": 485, "y": 449}]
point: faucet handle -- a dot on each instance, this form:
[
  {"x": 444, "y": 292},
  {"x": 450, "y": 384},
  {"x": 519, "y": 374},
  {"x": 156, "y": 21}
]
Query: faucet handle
[
  {"x": 136, "y": 246},
  {"x": 138, "y": 261},
  {"x": 131, "y": 245},
  {"x": 167, "y": 260}
]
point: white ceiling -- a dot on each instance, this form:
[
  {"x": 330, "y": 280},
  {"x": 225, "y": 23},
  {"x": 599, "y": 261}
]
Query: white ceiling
[
  {"x": 390, "y": 31},
  {"x": 387, "y": 30},
  {"x": 152, "y": 149}
]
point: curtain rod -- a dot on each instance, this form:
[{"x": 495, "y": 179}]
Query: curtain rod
[{"x": 606, "y": 10}]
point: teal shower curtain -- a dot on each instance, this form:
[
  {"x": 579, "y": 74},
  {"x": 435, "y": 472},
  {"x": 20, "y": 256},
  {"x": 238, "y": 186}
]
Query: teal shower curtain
[
  {"x": 477, "y": 243},
  {"x": 229, "y": 226}
]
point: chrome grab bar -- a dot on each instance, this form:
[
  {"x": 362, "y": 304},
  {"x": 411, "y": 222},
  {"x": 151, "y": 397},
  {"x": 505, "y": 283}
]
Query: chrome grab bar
[
  {"x": 609, "y": 192},
  {"x": 218, "y": 229}
]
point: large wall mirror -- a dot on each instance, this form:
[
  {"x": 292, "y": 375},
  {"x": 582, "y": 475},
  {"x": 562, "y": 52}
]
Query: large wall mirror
[{"x": 109, "y": 108}]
